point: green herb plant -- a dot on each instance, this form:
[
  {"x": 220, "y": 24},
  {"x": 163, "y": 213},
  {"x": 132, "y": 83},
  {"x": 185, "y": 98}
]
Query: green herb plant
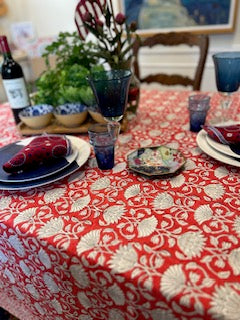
[{"x": 66, "y": 80}]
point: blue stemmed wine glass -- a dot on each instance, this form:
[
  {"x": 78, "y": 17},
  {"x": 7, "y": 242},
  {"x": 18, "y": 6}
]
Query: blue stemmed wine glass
[
  {"x": 227, "y": 70},
  {"x": 110, "y": 89}
]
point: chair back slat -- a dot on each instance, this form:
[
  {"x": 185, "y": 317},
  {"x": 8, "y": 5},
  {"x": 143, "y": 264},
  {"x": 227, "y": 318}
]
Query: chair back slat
[{"x": 174, "y": 39}]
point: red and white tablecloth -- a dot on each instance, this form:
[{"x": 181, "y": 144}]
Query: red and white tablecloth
[{"x": 115, "y": 245}]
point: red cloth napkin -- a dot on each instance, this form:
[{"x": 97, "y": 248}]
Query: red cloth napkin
[
  {"x": 229, "y": 134},
  {"x": 39, "y": 150}
]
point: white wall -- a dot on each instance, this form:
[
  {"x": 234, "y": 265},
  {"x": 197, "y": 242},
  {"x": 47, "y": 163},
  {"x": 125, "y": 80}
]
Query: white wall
[
  {"x": 52, "y": 16},
  {"x": 48, "y": 16}
]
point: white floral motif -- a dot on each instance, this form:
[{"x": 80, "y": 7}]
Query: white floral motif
[
  {"x": 191, "y": 243},
  {"x": 124, "y": 259},
  {"x": 39, "y": 308},
  {"x": 236, "y": 225},
  {"x": 88, "y": 241},
  {"x": 125, "y": 138},
  {"x": 234, "y": 261},
  {"x": 113, "y": 214},
  {"x": 203, "y": 214},
  {"x": 26, "y": 270},
  {"x": 221, "y": 172},
  {"x": 154, "y": 133},
  {"x": 147, "y": 226},
  {"x": 10, "y": 276},
  {"x": 83, "y": 299},
  {"x": 33, "y": 291},
  {"x": 180, "y": 136},
  {"x": 225, "y": 303},
  {"x": 50, "y": 283},
  {"x": 177, "y": 181},
  {"x": 5, "y": 202},
  {"x": 53, "y": 195},
  {"x": 51, "y": 228},
  {"x": 79, "y": 275},
  {"x": 100, "y": 184},
  {"x": 146, "y": 143},
  {"x": 116, "y": 294},
  {"x": 162, "y": 314},
  {"x": 115, "y": 314},
  {"x": 57, "y": 306},
  {"x": 163, "y": 201},
  {"x": 44, "y": 258},
  {"x": 173, "y": 281},
  {"x": 215, "y": 191},
  {"x": 119, "y": 167},
  {"x": 17, "y": 245},
  {"x": 171, "y": 116},
  {"x": 190, "y": 165},
  {"x": 85, "y": 317},
  {"x": 132, "y": 191},
  {"x": 25, "y": 215},
  {"x": 80, "y": 204},
  {"x": 3, "y": 257},
  {"x": 17, "y": 293}
]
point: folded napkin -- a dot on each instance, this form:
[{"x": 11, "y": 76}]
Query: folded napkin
[
  {"x": 39, "y": 150},
  {"x": 229, "y": 134}
]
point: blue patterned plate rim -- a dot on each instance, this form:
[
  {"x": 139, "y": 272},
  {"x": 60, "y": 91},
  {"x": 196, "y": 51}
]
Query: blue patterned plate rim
[{"x": 156, "y": 160}]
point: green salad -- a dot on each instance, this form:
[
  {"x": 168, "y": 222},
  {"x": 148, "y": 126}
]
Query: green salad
[{"x": 67, "y": 80}]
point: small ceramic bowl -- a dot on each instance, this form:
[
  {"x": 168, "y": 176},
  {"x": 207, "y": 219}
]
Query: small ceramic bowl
[
  {"x": 37, "y": 116},
  {"x": 96, "y": 114},
  {"x": 71, "y": 114}
]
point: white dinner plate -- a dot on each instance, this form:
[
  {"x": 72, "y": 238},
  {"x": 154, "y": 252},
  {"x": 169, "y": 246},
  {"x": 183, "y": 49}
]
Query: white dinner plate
[
  {"x": 205, "y": 147},
  {"x": 83, "y": 149},
  {"x": 42, "y": 171},
  {"x": 224, "y": 148}
]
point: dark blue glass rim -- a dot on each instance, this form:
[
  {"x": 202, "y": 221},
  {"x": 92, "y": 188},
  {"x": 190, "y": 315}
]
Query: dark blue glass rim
[
  {"x": 125, "y": 74},
  {"x": 227, "y": 54}
]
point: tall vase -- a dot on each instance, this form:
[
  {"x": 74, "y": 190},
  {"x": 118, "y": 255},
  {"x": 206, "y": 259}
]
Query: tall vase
[{"x": 134, "y": 88}]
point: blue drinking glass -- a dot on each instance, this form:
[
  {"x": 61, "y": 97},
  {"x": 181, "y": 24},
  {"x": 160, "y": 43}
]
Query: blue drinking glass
[
  {"x": 103, "y": 138},
  {"x": 111, "y": 92},
  {"x": 227, "y": 70}
]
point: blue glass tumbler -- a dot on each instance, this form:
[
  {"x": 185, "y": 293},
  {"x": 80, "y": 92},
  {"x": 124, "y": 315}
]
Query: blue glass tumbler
[
  {"x": 103, "y": 138},
  {"x": 198, "y": 106}
]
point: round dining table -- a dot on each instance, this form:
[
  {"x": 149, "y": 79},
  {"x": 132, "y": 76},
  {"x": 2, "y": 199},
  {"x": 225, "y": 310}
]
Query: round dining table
[{"x": 120, "y": 245}]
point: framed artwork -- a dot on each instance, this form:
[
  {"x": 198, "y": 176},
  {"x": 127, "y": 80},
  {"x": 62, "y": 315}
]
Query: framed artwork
[{"x": 205, "y": 16}]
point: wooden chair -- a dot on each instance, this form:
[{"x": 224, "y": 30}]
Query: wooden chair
[{"x": 173, "y": 39}]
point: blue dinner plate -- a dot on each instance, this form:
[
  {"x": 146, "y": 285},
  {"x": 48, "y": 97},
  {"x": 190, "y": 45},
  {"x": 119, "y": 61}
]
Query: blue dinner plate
[
  {"x": 39, "y": 172},
  {"x": 83, "y": 149}
]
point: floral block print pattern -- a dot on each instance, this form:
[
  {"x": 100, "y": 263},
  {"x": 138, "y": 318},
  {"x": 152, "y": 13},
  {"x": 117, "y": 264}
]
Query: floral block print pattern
[{"x": 119, "y": 245}]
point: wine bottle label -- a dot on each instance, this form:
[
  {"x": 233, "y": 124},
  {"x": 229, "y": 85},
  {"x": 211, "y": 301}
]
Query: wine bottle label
[{"x": 16, "y": 93}]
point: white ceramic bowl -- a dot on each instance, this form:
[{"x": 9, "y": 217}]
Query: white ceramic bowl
[
  {"x": 71, "y": 114},
  {"x": 37, "y": 116},
  {"x": 96, "y": 114}
]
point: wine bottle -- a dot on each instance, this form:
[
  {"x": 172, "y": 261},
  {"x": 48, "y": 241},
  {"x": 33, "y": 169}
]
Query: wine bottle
[{"x": 13, "y": 81}]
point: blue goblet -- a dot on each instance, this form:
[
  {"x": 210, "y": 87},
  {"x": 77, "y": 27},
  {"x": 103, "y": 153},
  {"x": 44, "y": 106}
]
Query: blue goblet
[
  {"x": 227, "y": 70},
  {"x": 110, "y": 89}
]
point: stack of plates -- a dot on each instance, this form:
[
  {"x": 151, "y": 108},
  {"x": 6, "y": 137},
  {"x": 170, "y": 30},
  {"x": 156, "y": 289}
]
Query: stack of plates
[
  {"x": 44, "y": 174},
  {"x": 217, "y": 150}
]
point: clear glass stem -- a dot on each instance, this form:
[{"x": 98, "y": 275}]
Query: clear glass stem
[
  {"x": 225, "y": 103},
  {"x": 114, "y": 129}
]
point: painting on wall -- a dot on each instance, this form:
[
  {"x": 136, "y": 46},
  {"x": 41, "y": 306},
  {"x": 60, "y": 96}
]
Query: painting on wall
[{"x": 202, "y": 16}]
